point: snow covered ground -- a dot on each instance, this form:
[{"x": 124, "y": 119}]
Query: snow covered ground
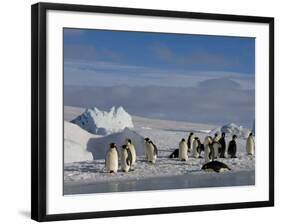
[{"x": 90, "y": 176}]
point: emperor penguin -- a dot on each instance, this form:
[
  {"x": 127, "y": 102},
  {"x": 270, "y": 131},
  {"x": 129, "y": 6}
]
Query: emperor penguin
[
  {"x": 183, "y": 150},
  {"x": 215, "y": 152},
  {"x": 223, "y": 145},
  {"x": 174, "y": 154},
  {"x": 232, "y": 147},
  {"x": 215, "y": 166},
  {"x": 190, "y": 141},
  {"x": 196, "y": 147},
  {"x": 146, "y": 140},
  {"x": 207, "y": 150},
  {"x": 133, "y": 151},
  {"x": 111, "y": 159},
  {"x": 151, "y": 150},
  {"x": 126, "y": 158},
  {"x": 250, "y": 144}
]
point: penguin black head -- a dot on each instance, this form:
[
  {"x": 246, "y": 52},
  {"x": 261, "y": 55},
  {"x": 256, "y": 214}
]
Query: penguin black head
[
  {"x": 183, "y": 140},
  {"x": 223, "y": 134},
  {"x": 129, "y": 140},
  {"x": 216, "y": 134},
  {"x": 250, "y": 134},
  {"x": 112, "y": 145},
  {"x": 146, "y": 139},
  {"x": 234, "y": 137},
  {"x": 191, "y": 133},
  {"x": 124, "y": 146},
  {"x": 196, "y": 138}
]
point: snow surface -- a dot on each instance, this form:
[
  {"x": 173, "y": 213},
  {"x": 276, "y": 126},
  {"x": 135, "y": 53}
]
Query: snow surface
[
  {"x": 103, "y": 123},
  {"x": 94, "y": 171},
  {"x": 90, "y": 176}
]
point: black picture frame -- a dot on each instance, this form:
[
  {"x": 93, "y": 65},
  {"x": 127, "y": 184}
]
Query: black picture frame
[{"x": 39, "y": 122}]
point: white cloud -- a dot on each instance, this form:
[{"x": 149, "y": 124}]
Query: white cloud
[{"x": 101, "y": 73}]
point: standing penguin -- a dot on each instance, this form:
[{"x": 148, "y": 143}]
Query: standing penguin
[
  {"x": 151, "y": 151},
  {"x": 196, "y": 147},
  {"x": 207, "y": 150},
  {"x": 223, "y": 145},
  {"x": 126, "y": 158},
  {"x": 190, "y": 141},
  {"x": 183, "y": 150},
  {"x": 250, "y": 144},
  {"x": 133, "y": 151},
  {"x": 146, "y": 140},
  {"x": 201, "y": 148},
  {"x": 232, "y": 147},
  {"x": 215, "y": 149},
  {"x": 111, "y": 159}
]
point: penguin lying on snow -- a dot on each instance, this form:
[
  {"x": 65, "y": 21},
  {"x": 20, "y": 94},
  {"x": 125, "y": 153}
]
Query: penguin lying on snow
[
  {"x": 175, "y": 154},
  {"x": 215, "y": 166}
]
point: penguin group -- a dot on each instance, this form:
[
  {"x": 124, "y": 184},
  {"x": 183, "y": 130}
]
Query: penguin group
[
  {"x": 212, "y": 147},
  {"x": 128, "y": 156}
]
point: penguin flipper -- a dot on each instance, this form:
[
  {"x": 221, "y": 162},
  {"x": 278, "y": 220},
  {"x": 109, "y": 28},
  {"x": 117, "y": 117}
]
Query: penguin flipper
[
  {"x": 155, "y": 149},
  {"x": 130, "y": 158}
]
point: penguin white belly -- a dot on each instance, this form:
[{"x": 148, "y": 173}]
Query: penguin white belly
[
  {"x": 191, "y": 143},
  {"x": 207, "y": 150},
  {"x": 207, "y": 153},
  {"x": 123, "y": 158},
  {"x": 195, "y": 147},
  {"x": 133, "y": 152},
  {"x": 146, "y": 150},
  {"x": 151, "y": 157},
  {"x": 250, "y": 146},
  {"x": 221, "y": 170},
  {"x": 183, "y": 151},
  {"x": 112, "y": 161},
  {"x": 216, "y": 151}
]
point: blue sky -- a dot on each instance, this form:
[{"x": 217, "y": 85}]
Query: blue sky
[
  {"x": 214, "y": 65},
  {"x": 162, "y": 51}
]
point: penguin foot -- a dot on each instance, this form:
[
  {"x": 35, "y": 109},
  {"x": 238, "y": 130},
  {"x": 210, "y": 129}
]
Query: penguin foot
[{"x": 111, "y": 171}]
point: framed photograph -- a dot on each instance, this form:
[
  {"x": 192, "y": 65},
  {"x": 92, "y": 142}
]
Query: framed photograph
[{"x": 139, "y": 111}]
